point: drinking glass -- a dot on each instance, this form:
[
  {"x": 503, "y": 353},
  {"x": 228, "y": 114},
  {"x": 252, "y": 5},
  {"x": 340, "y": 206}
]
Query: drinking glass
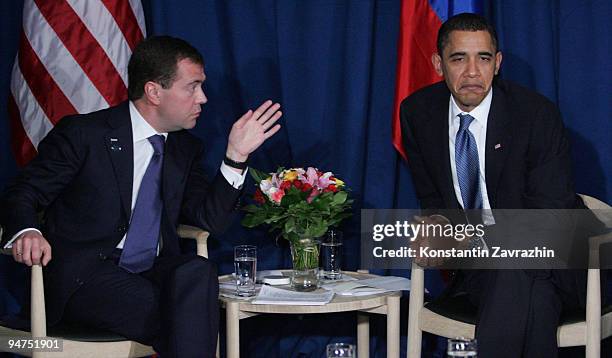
[
  {"x": 461, "y": 347},
  {"x": 331, "y": 255},
  {"x": 340, "y": 350},
  {"x": 245, "y": 269}
]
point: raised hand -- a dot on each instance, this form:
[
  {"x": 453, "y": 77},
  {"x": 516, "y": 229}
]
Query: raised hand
[{"x": 252, "y": 129}]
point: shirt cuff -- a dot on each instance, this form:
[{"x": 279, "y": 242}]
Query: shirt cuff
[
  {"x": 9, "y": 245},
  {"x": 236, "y": 180}
]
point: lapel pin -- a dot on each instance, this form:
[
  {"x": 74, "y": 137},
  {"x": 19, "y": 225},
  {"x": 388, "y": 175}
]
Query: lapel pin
[
  {"x": 115, "y": 147},
  {"x": 497, "y": 146}
]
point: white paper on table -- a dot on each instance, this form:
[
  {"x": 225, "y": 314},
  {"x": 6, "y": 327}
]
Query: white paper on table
[
  {"x": 278, "y": 296},
  {"x": 369, "y": 286}
]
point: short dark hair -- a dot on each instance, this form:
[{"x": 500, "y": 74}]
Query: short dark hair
[
  {"x": 155, "y": 59},
  {"x": 465, "y": 22}
]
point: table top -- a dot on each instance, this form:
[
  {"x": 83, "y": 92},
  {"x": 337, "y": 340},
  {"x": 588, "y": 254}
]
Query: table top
[{"x": 338, "y": 303}]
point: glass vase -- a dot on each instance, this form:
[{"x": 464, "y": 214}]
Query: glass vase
[{"x": 305, "y": 257}]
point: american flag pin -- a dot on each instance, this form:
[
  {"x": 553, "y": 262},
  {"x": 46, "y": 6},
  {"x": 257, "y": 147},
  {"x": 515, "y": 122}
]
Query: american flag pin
[
  {"x": 115, "y": 145},
  {"x": 497, "y": 146}
]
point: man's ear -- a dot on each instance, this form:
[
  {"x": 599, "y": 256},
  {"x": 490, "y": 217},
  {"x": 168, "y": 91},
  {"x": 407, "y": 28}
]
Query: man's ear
[
  {"x": 498, "y": 61},
  {"x": 151, "y": 92},
  {"x": 436, "y": 60}
]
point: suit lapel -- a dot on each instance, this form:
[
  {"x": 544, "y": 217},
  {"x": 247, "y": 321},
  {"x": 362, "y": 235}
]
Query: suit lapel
[
  {"x": 497, "y": 144},
  {"x": 441, "y": 157},
  {"x": 120, "y": 147}
]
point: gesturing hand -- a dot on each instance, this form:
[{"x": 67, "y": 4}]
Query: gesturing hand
[
  {"x": 252, "y": 129},
  {"x": 32, "y": 248}
]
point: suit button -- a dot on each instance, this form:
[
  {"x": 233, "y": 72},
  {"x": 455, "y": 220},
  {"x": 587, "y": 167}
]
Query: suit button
[
  {"x": 79, "y": 281},
  {"x": 121, "y": 229},
  {"x": 102, "y": 257}
]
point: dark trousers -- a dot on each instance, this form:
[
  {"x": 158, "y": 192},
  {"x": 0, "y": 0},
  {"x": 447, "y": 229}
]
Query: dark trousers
[
  {"x": 173, "y": 306},
  {"x": 519, "y": 310}
]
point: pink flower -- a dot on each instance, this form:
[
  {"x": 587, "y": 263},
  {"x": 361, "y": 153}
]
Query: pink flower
[
  {"x": 312, "y": 176},
  {"x": 325, "y": 180},
  {"x": 276, "y": 195}
]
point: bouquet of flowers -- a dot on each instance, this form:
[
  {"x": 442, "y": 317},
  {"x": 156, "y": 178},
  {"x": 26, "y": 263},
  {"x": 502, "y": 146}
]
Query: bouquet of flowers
[{"x": 298, "y": 203}]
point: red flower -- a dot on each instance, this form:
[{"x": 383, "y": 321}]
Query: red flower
[
  {"x": 297, "y": 184},
  {"x": 332, "y": 188},
  {"x": 306, "y": 187},
  {"x": 285, "y": 185},
  {"x": 259, "y": 197}
]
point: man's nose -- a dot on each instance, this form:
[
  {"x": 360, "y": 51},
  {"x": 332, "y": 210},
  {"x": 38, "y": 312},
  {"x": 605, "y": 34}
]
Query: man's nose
[
  {"x": 472, "y": 69},
  {"x": 201, "y": 97}
]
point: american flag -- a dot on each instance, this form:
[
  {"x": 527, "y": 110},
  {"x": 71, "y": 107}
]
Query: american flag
[{"x": 72, "y": 58}]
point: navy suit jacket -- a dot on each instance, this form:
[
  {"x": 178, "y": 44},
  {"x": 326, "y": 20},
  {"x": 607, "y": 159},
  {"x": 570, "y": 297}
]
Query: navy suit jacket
[
  {"x": 527, "y": 154},
  {"x": 82, "y": 181}
]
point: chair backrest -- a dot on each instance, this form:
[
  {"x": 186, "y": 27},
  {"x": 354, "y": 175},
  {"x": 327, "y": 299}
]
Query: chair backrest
[{"x": 600, "y": 209}]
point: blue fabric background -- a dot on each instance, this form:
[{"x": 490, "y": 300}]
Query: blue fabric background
[{"x": 332, "y": 66}]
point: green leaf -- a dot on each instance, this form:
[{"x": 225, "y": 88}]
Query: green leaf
[
  {"x": 340, "y": 197},
  {"x": 258, "y": 175}
]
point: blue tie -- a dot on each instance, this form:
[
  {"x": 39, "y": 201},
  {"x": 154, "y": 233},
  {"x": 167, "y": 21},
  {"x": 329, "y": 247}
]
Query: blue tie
[
  {"x": 466, "y": 161},
  {"x": 140, "y": 247}
]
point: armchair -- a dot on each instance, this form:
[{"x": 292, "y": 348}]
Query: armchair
[
  {"x": 457, "y": 318},
  {"x": 79, "y": 342}
]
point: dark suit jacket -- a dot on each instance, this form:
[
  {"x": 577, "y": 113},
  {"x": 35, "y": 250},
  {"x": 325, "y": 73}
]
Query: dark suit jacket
[
  {"x": 530, "y": 169},
  {"x": 82, "y": 180}
]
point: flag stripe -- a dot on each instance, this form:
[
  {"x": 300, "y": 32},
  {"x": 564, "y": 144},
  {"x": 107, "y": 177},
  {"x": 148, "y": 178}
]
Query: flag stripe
[
  {"x": 102, "y": 26},
  {"x": 419, "y": 25},
  {"x": 138, "y": 11},
  {"x": 35, "y": 122},
  {"x": 62, "y": 67},
  {"x": 42, "y": 86},
  {"x": 72, "y": 58},
  {"x": 84, "y": 48},
  {"x": 22, "y": 148},
  {"x": 125, "y": 18}
]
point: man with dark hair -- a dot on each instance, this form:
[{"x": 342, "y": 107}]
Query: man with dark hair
[
  {"x": 114, "y": 186},
  {"x": 477, "y": 142}
]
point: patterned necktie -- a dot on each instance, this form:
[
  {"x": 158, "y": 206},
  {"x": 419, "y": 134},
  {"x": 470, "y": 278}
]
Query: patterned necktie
[
  {"x": 140, "y": 247},
  {"x": 466, "y": 161}
]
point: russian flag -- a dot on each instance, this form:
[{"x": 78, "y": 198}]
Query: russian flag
[{"x": 419, "y": 24}]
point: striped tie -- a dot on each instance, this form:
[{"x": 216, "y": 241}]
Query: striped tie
[{"x": 466, "y": 160}]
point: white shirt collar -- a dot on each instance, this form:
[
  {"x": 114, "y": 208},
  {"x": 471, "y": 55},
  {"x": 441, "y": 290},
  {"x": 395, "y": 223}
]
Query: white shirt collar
[
  {"x": 480, "y": 112},
  {"x": 141, "y": 129}
]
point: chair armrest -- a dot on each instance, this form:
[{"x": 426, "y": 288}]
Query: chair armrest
[
  {"x": 201, "y": 237},
  {"x": 594, "y": 243},
  {"x": 38, "y": 317}
]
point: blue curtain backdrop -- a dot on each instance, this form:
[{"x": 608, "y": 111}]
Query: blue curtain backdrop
[{"x": 332, "y": 66}]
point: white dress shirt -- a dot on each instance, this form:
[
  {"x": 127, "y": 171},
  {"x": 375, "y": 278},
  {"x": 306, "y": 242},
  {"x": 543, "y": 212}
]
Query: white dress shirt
[{"x": 143, "y": 152}]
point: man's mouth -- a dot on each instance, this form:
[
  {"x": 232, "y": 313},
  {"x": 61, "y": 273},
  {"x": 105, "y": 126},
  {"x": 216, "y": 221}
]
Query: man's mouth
[{"x": 471, "y": 87}]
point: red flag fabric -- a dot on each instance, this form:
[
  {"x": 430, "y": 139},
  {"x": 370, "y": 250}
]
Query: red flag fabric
[
  {"x": 419, "y": 26},
  {"x": 72, "y": 58}
]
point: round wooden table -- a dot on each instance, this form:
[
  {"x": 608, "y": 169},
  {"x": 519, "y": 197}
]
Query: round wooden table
[{"x": 384, "y": 303}]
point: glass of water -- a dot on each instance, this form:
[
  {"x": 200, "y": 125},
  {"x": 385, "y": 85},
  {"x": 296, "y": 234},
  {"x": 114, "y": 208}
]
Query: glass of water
[
  {"x": 245, "y": 269},
  {"x": 331, "y": 255},
  {"x": 461, "y": 347},
  {"x": 341, "y": 350}
]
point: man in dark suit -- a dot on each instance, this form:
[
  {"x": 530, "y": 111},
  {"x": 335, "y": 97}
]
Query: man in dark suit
[
  {"x": 114, "y": 186},
  {"x": 477, "y": 142}
]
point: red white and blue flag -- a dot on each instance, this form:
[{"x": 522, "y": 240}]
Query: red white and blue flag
[
  {"x": 72, "y": 58},
  {"x": 419, "y": 24}
]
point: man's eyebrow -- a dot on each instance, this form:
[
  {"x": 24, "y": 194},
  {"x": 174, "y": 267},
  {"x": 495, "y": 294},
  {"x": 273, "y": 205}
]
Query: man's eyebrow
[
  {"x": 455, "y": 54},
  {"x": 485, "y": 53}
]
